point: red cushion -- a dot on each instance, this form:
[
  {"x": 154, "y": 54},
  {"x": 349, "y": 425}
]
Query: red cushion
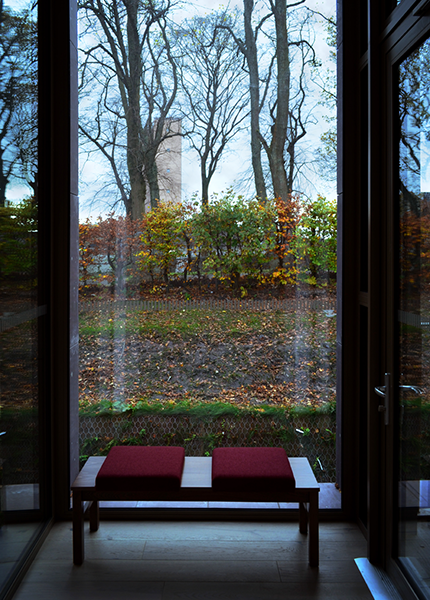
[
  {"x": 251, "y": 470},
  {"x": 136, "y": 468}
]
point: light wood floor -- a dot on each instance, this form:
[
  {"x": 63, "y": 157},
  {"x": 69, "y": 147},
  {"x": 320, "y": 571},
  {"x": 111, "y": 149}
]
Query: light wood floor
[{"x": 197, "y": 561}]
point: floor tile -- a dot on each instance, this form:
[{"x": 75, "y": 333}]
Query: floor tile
[
  {"x": 220, "y": 550},
  {"x": 264, "y": 591},
  {"x": 197, "y": 530},
  {"x": 179, "y": 560},
  {"x": 91, "y": 590},
  {"x": 329, "y": 571}
]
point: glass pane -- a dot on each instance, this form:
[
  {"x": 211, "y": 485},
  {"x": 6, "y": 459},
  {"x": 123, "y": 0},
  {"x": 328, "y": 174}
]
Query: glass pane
[
  {"x": 414, "y": 316},
  {"x": 20, "y": 306},
  {"x": 208, "y": 229}
]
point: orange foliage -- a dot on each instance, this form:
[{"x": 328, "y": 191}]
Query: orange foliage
[
  {"x": 415, "y": 248},
  {"x": 107, "y": 250},
  {"x": 286, "y": 220}
]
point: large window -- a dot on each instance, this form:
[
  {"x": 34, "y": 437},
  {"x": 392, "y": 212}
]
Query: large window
[
  {"x": 22, "y": 289},
  {"x": 208, "y": 228},
  {"x": 413, "y": 316}
]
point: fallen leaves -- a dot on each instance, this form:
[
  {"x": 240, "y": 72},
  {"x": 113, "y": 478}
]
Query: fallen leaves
[{"x": 271, "y": 358}]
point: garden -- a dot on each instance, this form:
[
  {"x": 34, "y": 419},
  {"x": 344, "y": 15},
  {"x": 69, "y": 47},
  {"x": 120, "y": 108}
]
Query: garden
[
  {"x": 211, "y": 326},
  {"x": 219, "y": 346},
  {"x": 197, "y": 327}
]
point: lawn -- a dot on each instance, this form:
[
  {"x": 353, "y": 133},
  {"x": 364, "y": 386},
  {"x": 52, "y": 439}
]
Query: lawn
[{"x": 244, "y": 357}]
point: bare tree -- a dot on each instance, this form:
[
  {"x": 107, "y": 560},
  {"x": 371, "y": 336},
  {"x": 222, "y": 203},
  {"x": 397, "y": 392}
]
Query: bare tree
[
  {"x": 325, "y": 80},
  {"x": 414, "y": 116},
  {"x": 18, "y": 88},
  {"x": 213, "y": 83},
  {"x": 278, "y": 119},
  {"x": 248, "y": 47},
  {"x": 300, "y": 114},
  {"x": 280, "y": 108},
  {"x": 128, "y": 65},
  {"x": 138, "y": 72}
]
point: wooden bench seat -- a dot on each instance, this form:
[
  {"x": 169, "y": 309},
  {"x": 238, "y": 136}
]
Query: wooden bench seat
[{"x": 196, "y": 484}]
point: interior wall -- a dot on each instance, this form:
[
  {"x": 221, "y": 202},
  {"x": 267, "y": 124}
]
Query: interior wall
[
  {"x": 348, "y": 259},
  {"x": 64, "y": 250}
]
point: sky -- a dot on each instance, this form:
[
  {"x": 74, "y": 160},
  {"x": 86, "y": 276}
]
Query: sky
[{"x": 236, "y": 160}]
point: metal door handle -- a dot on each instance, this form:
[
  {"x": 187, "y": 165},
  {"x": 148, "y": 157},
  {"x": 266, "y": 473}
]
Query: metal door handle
[
  {"x": 413, "y": 388},
  {"x": 380, "y": 391},
  {"x": 383, "y": 392}
]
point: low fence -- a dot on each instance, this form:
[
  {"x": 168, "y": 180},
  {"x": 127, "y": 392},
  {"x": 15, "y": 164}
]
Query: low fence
[
  {"x": 312, "y": 435},
  {"x": 272, "y": 304}
]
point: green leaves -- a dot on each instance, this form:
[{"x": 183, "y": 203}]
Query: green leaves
[
  {"x": 316, "y": 241},
  {"x": 162, "y": 238},
  {"x": 18, "y": 226},
  {"x": 233, "y": 239},
  {"x": 235, "y": 236}
]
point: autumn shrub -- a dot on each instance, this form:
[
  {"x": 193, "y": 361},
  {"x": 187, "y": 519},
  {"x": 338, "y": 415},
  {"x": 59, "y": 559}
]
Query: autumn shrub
[
  {"x": 89, "y": 261},
  {"x": 189, "y": 260},
  {"x": 234, "y": 236},
  {"x": 162, "y": 240},
  {"x": 414, "y": 250},
  {"x": 108, "y": 250},
  {"x": 315, "y": 242},
  {"x": 18, "y": 241},
  {"x": 285, "y": 215}
]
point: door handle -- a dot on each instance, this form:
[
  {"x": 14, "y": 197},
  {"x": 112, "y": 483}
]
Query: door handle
[
  {"x": 413, "y": 388},
  {"x": 384, "y": 392},
  {"x": 380, "y": 391}
]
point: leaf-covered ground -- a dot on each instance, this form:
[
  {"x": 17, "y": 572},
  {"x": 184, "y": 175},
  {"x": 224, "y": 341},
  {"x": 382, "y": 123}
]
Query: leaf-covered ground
[
  {"x": 241, "y": 357},
  {"x": 19, "y": 366}
]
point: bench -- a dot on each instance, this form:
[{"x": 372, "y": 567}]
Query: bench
[{"x": 195, "y": 485}]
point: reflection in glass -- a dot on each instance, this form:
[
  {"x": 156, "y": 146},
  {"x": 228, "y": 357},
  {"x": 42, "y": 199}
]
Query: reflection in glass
[
  {"x": 20, "y": 306},
  {"x": 414, "y": 317},
  {"x": 207, "y": 279}
]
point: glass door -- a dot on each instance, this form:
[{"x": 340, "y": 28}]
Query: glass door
[
  {"x": 23, "y": 294},
  {"x": 411, "y": 385}
]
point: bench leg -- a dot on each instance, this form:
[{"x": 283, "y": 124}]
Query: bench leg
[
  {"x": 78, "y": 529},
  {"x": 303, "y": 518},
  {"x": 94, "y": 515},
  {"x": 313, "y": 529}
]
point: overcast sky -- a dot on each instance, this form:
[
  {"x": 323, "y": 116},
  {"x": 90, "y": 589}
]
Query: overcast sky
[{"x": 236, "y": 160}]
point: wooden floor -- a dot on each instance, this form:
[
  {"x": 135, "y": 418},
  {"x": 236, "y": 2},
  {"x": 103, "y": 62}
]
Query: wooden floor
[{"x": 197, "y": 561}]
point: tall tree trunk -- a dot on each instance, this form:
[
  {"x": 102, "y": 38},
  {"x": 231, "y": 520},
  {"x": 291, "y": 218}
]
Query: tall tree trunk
[
  {"x": 291, "y": 158},
  {"x": 254, "y": 90},
  {"x": 151, "y": 172},
  {"x": 136, "y": 204},
  {"x": 205, "y": 185},
  {"x": 3, "y": 184},
  {"x": 132, "y": 113},
  {"x": 280, "y": 126}
]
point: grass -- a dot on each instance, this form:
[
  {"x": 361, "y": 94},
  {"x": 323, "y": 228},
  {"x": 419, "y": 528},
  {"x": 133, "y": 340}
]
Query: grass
[
  {"x": 234, "y": 357},
  {"x": 201, "y": 410},
  {"x": 184, "y": 323}
]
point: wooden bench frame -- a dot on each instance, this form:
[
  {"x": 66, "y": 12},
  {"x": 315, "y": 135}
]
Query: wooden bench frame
[{"x": 196, "y": 485}]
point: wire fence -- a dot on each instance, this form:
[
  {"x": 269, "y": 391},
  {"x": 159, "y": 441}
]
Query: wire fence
[
  {"x": 272, "y": 304},
  {"x": 312, "y": 436}
]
